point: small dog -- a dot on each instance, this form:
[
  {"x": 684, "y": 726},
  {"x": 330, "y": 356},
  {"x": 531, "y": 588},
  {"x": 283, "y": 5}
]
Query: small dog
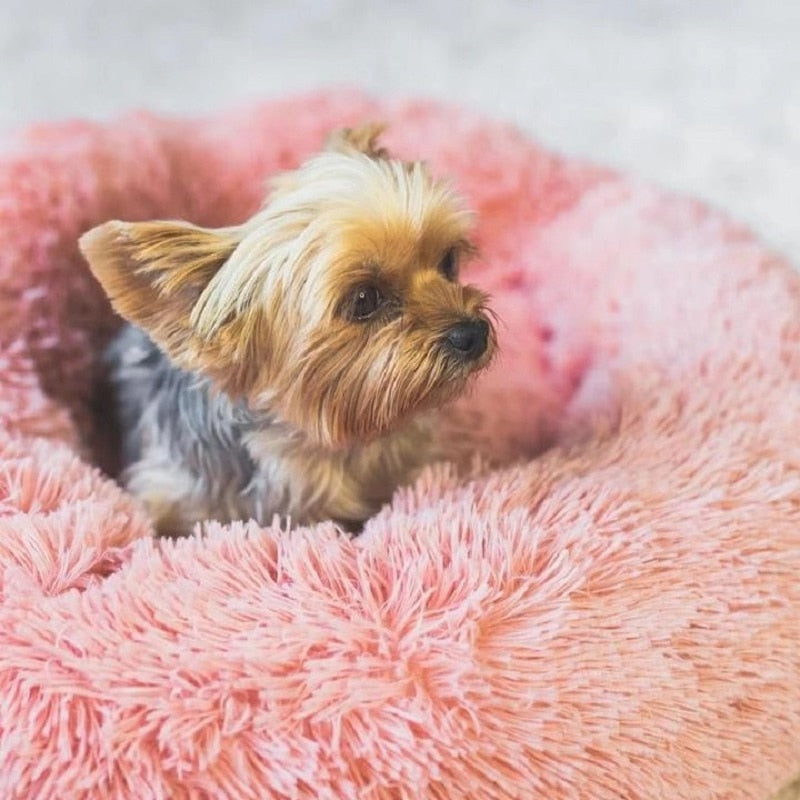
[{"x": 286, "y": 365}]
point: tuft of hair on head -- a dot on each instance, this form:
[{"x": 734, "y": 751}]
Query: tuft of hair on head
[
  {"x": 154, "y": 272},
  {"x": 361, "y": 139}
]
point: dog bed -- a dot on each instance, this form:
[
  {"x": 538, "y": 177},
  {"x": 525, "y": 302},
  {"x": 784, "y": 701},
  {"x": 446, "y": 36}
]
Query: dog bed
[{"x": 603, "y": 604}]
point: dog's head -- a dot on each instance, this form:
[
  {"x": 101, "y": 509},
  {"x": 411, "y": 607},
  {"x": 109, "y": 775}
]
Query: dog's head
[{"x": 336, "y": 307}]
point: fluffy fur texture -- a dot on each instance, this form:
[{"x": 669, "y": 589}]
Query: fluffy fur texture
[
  {"x": 615, "y": 618},
  {"x": 305, "y": 343}
]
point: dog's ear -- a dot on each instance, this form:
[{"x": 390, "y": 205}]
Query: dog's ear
[
  {"x": 154, "y": 273},
  {"x": 363, "y": 139}
]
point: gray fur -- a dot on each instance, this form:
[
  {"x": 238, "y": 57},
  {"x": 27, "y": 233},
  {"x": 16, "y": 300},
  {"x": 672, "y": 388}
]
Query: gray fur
[{"x": 201, "y": 428}]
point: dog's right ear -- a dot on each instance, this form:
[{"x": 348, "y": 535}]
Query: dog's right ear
[
  {"x": 363, "y": 139},
  {"x": 154, "y": 273}
]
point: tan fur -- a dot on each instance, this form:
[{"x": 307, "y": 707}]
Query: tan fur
[
  {"x": 262, "y": 309},
  {"x": 154, "y": 273},
  {"x": 363, "y": 139}
]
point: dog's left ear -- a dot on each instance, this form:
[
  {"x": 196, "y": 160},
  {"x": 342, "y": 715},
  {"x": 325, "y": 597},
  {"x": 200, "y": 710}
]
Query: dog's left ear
[
  {"x": 363, "y": 139},
  {"x": 154, "y": 273}
]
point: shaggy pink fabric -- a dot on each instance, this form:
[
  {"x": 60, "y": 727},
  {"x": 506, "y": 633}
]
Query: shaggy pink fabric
[{"x": 616, "y": 618}]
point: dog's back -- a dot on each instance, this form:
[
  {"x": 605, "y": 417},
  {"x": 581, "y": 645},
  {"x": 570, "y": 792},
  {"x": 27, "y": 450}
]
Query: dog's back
[{"x": 175, "y": 422}]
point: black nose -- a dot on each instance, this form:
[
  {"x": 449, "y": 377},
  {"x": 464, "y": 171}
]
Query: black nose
[{"x": 469, "y": 338}]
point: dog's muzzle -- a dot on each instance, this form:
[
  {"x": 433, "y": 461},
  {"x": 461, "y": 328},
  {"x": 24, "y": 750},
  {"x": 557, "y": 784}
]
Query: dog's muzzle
[{"x": 468, "y": 339}]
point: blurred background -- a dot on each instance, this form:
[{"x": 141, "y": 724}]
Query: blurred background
[{"x": 702, "y": 96}]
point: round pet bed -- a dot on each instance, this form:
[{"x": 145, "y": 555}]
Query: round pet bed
[{"x": 603, "y": 605}]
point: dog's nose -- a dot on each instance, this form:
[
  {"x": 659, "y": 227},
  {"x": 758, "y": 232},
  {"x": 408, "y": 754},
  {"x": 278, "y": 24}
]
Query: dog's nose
[{"x": 469, "y": 338}]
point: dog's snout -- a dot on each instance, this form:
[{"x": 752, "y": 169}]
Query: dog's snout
[{"x": 469, "y": 338}]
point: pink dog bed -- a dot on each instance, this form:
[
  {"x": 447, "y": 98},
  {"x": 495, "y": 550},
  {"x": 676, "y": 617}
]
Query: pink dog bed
[{"x": 605, "y": 607}]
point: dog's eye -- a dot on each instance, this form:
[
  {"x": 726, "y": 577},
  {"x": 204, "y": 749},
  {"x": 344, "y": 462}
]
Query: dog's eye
[
  {"x": 366, "y": 301},
  {"x": 448, "y": 266}
]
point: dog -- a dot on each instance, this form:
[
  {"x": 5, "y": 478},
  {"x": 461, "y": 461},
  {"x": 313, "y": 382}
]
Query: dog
[{"x": 292, "y": 365}]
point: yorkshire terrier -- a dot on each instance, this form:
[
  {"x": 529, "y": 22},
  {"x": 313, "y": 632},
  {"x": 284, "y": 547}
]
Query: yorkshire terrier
[{"x": 288, "y": 365}]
